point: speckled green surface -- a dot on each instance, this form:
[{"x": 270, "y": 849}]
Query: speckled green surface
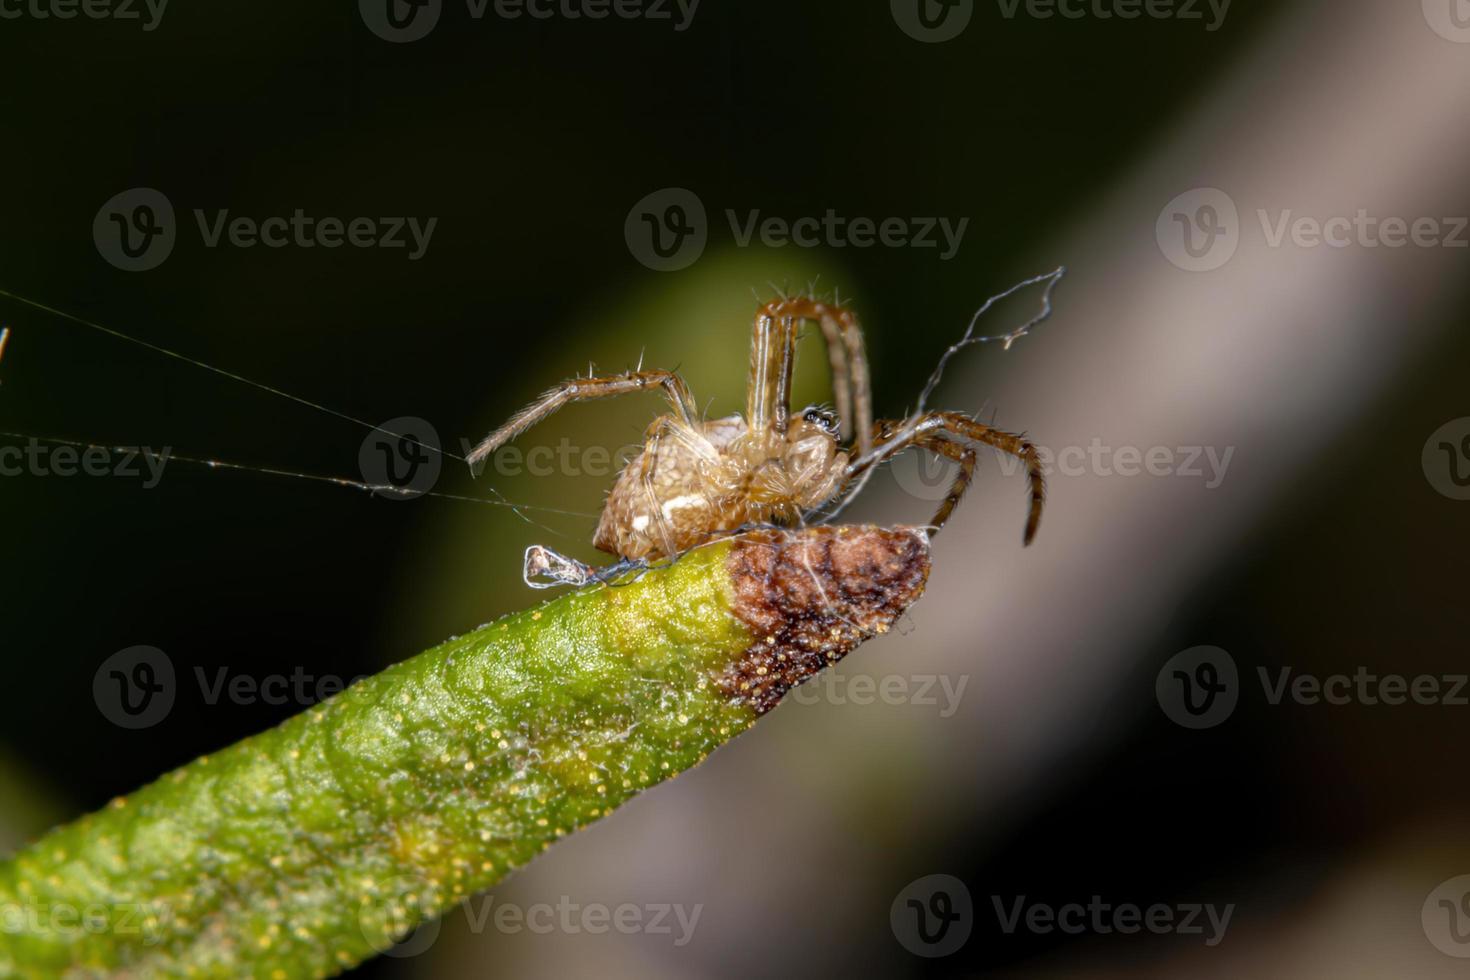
[{"x": 310, "y": 847}]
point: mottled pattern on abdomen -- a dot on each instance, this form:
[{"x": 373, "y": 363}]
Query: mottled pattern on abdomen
[{"x": 673, "y": 506}]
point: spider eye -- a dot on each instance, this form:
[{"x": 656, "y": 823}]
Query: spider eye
[{"x": 826, "y": 421}]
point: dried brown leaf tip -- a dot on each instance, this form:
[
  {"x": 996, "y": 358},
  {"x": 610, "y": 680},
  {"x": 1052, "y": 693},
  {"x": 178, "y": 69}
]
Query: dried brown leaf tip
[{"x": 809, "y": 597}]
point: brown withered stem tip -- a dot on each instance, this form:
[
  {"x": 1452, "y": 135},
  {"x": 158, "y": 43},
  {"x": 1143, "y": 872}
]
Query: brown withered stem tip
[{"x": 810, "y": 596}]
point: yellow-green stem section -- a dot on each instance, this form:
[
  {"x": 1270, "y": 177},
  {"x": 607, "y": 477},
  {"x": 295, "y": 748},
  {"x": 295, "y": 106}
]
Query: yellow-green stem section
[{"x": 310, "y": 847}]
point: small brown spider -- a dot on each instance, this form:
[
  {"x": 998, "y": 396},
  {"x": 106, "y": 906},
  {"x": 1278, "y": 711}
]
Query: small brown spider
[{"x": 698, "y": 480}]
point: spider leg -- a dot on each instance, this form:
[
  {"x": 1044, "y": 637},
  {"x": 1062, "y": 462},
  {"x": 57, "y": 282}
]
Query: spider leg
[
  {"x": 846, "y": 354},
  {"x": 931, "y": 431},
  {"x": 841, "y": 378},
  {"x": 646, "y": 474},
  {"x": 609, "y": 574},
  {"x": 960, "y": 453},
  {"x": 772, "y": 352},
  {"x": 582, "y": 389}
]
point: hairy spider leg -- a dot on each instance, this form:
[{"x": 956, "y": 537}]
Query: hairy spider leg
[
  {"x": 768, "y": 393},
  {"x": 962, "y": 454},
  {"x": 649, "y": 468},
  {"x": 582, "y": 389},
  {"x": 930, "y": 431},
  {"x": 846, "y": 355}
]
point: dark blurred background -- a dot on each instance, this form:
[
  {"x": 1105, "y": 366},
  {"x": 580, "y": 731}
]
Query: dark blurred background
[{"x": 529, "y": 141}]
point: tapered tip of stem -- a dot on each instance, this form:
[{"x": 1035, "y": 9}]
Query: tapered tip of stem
[{"x": 810, "y": 596}]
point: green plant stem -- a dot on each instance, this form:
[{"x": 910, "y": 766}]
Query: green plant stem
[{"x": 308, "y": 848}]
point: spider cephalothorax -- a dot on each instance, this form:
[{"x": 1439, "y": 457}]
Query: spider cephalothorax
[{"x": 695, "y": 480}]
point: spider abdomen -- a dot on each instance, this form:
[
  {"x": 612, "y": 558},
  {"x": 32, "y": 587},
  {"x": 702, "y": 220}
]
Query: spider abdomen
[{"x": 693, "y": 483}]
